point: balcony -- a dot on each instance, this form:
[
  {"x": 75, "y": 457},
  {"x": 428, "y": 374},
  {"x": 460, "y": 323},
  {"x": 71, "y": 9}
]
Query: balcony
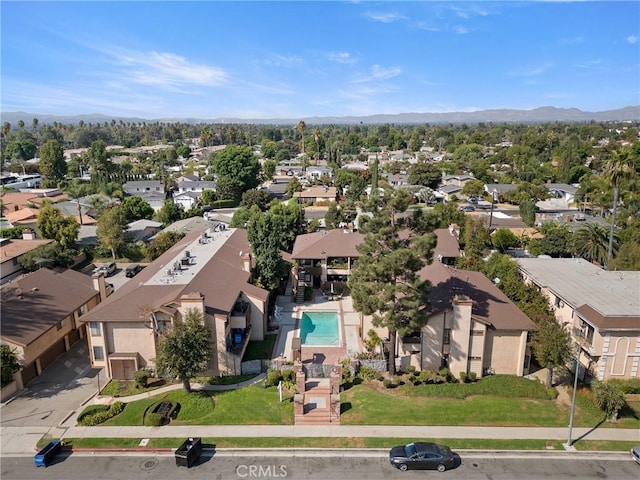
[{"x": 239, "y": 316}]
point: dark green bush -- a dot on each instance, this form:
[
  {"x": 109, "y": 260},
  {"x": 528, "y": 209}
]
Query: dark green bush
[
  {"x": 100, "y": 415},
  {"x": 288, "y": 375},
  {"x": 140, "y": 378},
  {"x": 628, "y": 387},
  {"x": 367, "y": 373},
  {"x": 473, "y": 376},
  {"x": 463, "y": 377},
  {"x": 388, "y": 383},
  {"x": 273, "y": 377},
  {"x": 153, "y": 420}
]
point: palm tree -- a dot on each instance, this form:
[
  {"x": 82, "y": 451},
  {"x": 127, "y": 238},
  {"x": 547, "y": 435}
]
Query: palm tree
[
  {"x": 591, "y": 243},
  {"x": 619, "y": 168},
  {"x": 316, "y": 136},
  {"x": 76, "y": 190}
]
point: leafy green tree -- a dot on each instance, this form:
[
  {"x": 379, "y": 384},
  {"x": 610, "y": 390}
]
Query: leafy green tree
[
  {"x": 556, "y": 242},
  {"x": 551, "y": 346},
  {"x": 528, "y": 212},
  {"x": 243, "y": 216},
  {"x": 384, "y": 282},
  {"x": 162, "y": 242},
  {"x": 229, "y": 188},
  {"x": 13, "y": 232},
  {"x": 8, "y": 364},
  {"x": 473, "y": 188},
  {"x": 255, "y": 197},
  {"x": 208, "y": 197},
  {"x": 111, "y": 228},
  {"x": 240, "y": 164},
  {"x": 51, "y": 255},
  {"x": 423, "y": 173},
  {"x": 476, "y": 242},
  {"x": 52, "y": 165},
  {"x": 628, "y": 257},
  {"x": 332, "y": 218},
  {"x": 185, "y": 350},
  {"x": 293, "y": 186},
  {"x": 590, "y": 243},
  {"x": 53, "y": 225},
  {"x": 291, "y": 218},
  {"x": 98, "y": 157},
  {"x": 609, "y": 397},
  {"x": 504, "y": 239},
  {"x": 170, "y": 212},
  {"x": 136, "y": 208},
  {"x": 265, "y": 236}
]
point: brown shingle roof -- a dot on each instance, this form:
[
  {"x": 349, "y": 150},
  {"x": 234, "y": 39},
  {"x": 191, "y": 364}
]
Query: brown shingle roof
[
  {"x": 602, "y": 322},
  {"x": 490, "y": 305},
  {"x": 447, "y": 245},
  {"x": 14, "y": 248},
  {"x": 34, "y": 303},
  {"x": 331, "y": 243},
  {"x": 220, "y": 281}
]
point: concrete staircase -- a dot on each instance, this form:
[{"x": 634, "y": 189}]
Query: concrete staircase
[
  {"x": 317, "y": 406},
  {"x": 318, "y": 399}
]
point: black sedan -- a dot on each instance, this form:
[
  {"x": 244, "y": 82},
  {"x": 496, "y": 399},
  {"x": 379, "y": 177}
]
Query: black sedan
[{"x": 422, "y": 456}]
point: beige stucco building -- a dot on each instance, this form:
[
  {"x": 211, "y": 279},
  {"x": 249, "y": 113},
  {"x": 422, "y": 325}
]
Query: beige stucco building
[
  {"x": 40, "y": 315},
  {"x": 600, "y": 308},
  {"x": 207, "y": 271}
]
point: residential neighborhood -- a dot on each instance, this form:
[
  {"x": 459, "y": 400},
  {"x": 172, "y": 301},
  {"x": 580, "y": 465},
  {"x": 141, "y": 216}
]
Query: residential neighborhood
[{"x": 299, "y": 261}]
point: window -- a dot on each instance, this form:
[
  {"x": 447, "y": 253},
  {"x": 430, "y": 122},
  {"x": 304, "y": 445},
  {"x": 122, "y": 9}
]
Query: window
[
  {"x": 95, "y": 329},
  {"x": 475, "y": 358},
  {"x": 61, "y": 324},
  {"x": 477, "y": 333},
  {"x": 98, "y": 353},
  {"x": 82, "y": 310},
  {"x": 446, "y": 338}
]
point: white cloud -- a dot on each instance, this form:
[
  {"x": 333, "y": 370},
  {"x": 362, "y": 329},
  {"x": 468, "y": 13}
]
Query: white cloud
[
  {"x": 378, "y": 72},
  {"x": 632, "y": 39},
  {"x": 530, "y": 71},
  {"x": 460, "y": 30},
  {"x": 384, "y": 17},
  {"x": 278, "y": 60},
  {"x": 168, "y": 70},
  {"x": 341, "y": 57},
  {"x": 467, "y": 13}
]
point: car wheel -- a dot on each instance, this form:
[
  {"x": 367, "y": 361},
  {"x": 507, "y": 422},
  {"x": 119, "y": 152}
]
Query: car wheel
[
  {"x": 441, "y": 467},
  {"x": 403, "y": 467}
]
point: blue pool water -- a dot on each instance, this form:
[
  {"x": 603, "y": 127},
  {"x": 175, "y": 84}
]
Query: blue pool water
[{"x": 319, "y": 328}]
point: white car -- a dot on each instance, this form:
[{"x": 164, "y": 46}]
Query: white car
[{"x": 635, "y": 454}]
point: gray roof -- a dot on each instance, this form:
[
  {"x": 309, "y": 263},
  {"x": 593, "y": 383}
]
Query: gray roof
[{"x": 578, "y": 283}]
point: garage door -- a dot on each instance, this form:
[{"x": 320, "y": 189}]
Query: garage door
[
  {"x": 123, "y": 369},
  {"x": 29, "y": 373},
  {"x": 74, "y": 336},
  {"x": 48, "y": 357}
]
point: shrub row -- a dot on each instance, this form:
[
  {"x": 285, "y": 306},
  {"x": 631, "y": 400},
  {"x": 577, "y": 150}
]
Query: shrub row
[{"x": 90, "y": 419}]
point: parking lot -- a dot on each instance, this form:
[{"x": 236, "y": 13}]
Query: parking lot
[{"x": 118, "y": 279}]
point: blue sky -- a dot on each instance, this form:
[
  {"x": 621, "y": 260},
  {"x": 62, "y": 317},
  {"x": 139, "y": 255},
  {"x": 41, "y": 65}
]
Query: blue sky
[{"x": 211, "y": 59}]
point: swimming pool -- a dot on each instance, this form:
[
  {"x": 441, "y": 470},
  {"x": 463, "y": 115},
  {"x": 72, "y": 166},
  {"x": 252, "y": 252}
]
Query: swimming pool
[{"x": 319, "y": 328}]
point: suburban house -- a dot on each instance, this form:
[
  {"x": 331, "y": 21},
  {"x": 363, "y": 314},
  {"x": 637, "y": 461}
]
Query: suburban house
[
  {"x": 40, "y": 312},
  {"x": 151, "y": 191},
  {"x": 316, "y": 194},
  {"x": 143, "y": 229},
  {"x": 316, "y": 173},
  {"x": 196, "y": 186},
  {"x": 12, "y": 250},
  {"x": 473, "y": 326},
  {"x": 457, "y": 180},
  {"x": 323, "y": 258},
  {"x": 140, "y": 187},
  {"x": 600, "y": 308},
  {"x": 208, "y": 271},
  {"x": 187, "y": 200}
]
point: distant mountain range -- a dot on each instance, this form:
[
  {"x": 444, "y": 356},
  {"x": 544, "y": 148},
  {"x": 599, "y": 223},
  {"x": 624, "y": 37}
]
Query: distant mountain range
[{"x": 537, "y": 115}]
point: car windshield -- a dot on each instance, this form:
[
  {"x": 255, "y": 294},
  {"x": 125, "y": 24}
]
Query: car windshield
[{"x": 410, "y": 450}]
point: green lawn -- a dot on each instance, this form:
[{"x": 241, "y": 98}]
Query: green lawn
[
  {"x": 259, "y": 350},
  {"x": 215, "y": 408},
  {"x": 343, "y": 442}
]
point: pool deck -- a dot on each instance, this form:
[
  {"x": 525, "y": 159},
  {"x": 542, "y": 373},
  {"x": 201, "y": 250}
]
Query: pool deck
[{"x": 289, "y": 314}]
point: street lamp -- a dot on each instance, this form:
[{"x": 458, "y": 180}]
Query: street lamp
[{"x": 569, "y": 444}]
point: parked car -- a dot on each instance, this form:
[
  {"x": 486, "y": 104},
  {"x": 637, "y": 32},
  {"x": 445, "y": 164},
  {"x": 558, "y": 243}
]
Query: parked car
[
  {"x": 422, "y": 456},
  {"x": 635, "y": 454},
  {"x": 467, "y": 208},
  {"x": 108, "y": 269},
  {"x": 132, "y": 270}
]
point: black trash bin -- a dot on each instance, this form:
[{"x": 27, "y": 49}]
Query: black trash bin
[{"x": 188, "y": 452}]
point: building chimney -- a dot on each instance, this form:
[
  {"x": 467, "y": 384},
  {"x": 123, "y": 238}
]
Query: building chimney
[
  {"x": 192, "y": 301},
  {"x": 28, "y": 234},
  {"x": 247, "y": 262},
  {"x": 100, "y": 285}
]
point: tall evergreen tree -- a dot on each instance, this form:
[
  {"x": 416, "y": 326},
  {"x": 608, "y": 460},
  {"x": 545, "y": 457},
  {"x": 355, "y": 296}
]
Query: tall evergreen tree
[
  {"x": 52, "y": 165},
  {"x": 384, "y": 282}
]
